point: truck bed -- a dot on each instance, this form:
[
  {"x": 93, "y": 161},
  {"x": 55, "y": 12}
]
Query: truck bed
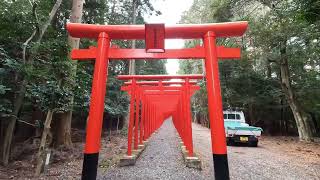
[{"x": 238, "y": 128}]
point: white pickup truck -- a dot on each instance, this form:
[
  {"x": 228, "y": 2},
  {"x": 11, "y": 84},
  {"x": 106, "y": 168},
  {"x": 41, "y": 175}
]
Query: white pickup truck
[{"x": 238, "y": 131}]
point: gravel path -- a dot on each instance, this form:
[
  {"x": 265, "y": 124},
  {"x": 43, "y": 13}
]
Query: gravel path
[
  {"x": 161, "y": 159},
  {"x": 273, "y": 159}
]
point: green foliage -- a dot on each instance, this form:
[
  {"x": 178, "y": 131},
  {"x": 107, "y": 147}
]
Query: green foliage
[
  {"x": 7, "y": 66},
  {"x": 145, "y": 67},
  {"x": 50, "y": 96},
  {"x": 309, "y": 9},
  {"x": 116, "y": 101},
  {"x": 95, "y": 12}
]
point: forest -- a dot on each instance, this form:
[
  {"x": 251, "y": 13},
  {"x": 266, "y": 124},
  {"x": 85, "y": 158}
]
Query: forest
[{"x": 45, "y": 96}]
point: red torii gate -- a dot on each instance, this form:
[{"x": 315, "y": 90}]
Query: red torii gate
[
  {"x": 154, "y": 35},
  {"x": 140, "y": 89}
]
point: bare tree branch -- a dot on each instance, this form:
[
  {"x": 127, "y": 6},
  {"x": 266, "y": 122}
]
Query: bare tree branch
[{"x": 51, "y": 16}]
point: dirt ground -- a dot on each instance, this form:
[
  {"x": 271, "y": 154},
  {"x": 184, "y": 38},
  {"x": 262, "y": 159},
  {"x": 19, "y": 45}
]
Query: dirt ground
[
  {"x": 274, "y": 158},
  {"x": 65, "y": 164}
]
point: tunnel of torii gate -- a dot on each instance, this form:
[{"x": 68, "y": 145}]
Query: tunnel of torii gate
[
  {"x": 154, "y": 36},
  {"x": 159, "y": 100}
]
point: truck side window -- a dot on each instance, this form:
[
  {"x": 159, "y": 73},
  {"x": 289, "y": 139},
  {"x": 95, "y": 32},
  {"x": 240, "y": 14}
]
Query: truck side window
[
  {"x": 231, "y": 116},
  {"x": 238, "y": 116},
  {"x": 225, "y": 116}
]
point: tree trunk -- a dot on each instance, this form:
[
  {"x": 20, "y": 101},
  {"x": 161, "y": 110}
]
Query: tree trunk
[
  {"x": 63, "y": 131},
  {"x": 41, "y": 156},
  {"x": 304, "y": 125},
  {"x": 315, "y": 123},
  {"x": 36, "y": 116},
  {"x": 2, "y": 124},
  {"x": 251, "y": 114},
  {"x": 63, "y": 134},
  {"x": 12, "y": 123},
  {"x": 269, "y": 70},
  {"x": 118, "y": 121},
  {"x": 110, "y": 130},
  {"x": 132, "y": 62},
  {"x": 282, "y": 122}
]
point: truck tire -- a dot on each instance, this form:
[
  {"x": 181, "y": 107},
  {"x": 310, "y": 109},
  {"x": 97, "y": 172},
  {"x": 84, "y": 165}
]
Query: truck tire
[
  {"x": 229, "y": 142},
  {"x": 253, "y": 144}
]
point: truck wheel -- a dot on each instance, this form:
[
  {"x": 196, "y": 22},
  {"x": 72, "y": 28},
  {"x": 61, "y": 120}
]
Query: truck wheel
[
  {"x": 253, "y": 143},
  {"x": 229, "y": 142}
]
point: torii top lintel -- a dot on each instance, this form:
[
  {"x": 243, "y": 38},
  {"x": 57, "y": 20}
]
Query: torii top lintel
[
  {"x": 179, "y": 31},
  {"x": 157, "y": 82},
  {"x": 160, "y": 77}
]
